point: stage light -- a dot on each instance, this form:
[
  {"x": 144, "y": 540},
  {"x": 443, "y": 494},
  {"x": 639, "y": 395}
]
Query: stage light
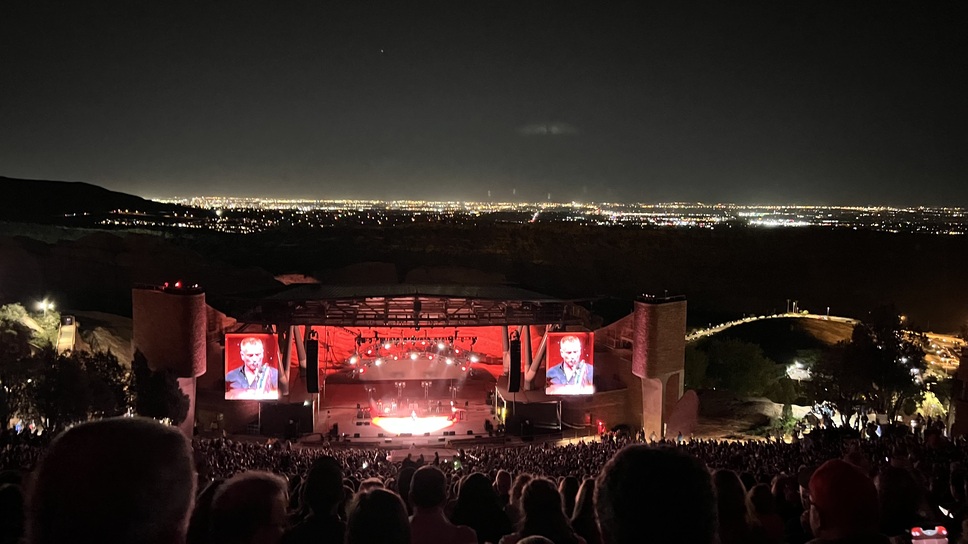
[
  {"x": 463, "y": 369},
  {"x": 388, "y": 345},
  {"x": 441, "y": 346},
  {"x": 474, "y": 358},
  {"x": 354, "y": 359},
  {"x": 378, "y": 362},
  {"x": 413, "y": 356},
  {"x": 450, "y": 361}
]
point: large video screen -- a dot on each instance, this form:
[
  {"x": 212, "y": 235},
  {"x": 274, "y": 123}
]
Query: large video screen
[
  {"x": 251, "y": 367},
  {"x": 570, "y": 366}
]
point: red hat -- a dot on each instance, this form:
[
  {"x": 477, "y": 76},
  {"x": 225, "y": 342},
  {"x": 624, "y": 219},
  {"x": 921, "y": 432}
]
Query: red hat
[{"x": 845, "y": 496}]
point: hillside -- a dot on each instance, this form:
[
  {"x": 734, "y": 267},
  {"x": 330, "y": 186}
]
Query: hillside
[
  {"x": 62, "y": 202},
  {"x": 724, "y": 273},
  {"x": 782, "y": 339}
]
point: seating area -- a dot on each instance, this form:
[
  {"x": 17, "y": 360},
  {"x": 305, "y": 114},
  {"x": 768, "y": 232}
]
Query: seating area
[{"x": 754, "y": 491}]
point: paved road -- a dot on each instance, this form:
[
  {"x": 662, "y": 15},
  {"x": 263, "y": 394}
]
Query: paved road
[
  {"x": 67, "y": 334},
  {"x": 702, "y": 333}
]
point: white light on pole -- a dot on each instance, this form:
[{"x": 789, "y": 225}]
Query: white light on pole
[{"x": 45, "y": 305}]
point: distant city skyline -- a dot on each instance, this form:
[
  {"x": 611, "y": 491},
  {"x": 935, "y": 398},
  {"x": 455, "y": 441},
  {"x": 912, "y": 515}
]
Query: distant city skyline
[
  {"x": 745, "y": 103},
  {"x": 249, "y": 215}
]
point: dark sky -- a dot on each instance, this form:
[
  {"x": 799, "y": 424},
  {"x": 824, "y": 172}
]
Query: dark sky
[{"x": 768, "y": 102}]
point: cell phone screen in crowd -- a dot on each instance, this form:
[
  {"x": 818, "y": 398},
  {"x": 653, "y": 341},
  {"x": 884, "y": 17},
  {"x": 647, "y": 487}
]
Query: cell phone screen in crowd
[{"x": 929, "y": 535}]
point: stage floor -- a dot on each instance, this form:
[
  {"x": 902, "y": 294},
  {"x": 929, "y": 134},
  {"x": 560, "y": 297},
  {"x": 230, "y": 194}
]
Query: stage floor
[{"x": 407, "y": 423}]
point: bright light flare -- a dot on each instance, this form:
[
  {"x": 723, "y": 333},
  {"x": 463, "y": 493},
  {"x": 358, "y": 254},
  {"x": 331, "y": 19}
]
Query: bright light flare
[{"x": 415, "y": 426}]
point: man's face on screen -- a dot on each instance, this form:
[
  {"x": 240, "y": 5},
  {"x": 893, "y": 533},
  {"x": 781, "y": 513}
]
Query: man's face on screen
[
  {"x": 252, "y": 355},
  {"x": 571, "y": 352}
]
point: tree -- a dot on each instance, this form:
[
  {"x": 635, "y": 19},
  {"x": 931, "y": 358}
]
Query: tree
[
  {"x": 15, "y": 336},
  {"x": 109, "y": 383},
  {"x": 156, "y": 393},
  {"x": 62, "y": 391},
  {"x": 740, "y": 367},
  {"x": 17, "y": 384},
  {"x": 882, "y": 367},
  {"x": 22, "y": 333},
  {"x": 696, "y": 364},
  {"x": 841, "y": 378}
]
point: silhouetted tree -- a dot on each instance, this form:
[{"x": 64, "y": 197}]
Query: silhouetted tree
[
  {"x": 65, "y": 389},
  {"x": 841, "y": 378},
  {"x": 740, "y": 367},
  {"x": 156, "y": 394},
  {"x": 15, "y": 335},
  {"x": 882, "y": 367},
  {"x": 696, "y": 364},
  {"x": 17, "y": 384},
  {"x": 109, "y": 383},
  {"x": 62, "y": 392}
]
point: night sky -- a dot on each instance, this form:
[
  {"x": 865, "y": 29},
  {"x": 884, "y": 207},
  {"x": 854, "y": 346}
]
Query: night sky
[{"x": 768, "y": 102}]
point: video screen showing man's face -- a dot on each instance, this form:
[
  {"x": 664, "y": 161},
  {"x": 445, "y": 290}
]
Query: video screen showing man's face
[
  {"x": 251, "y": 372},
  {"x": 570, "y": 367}
]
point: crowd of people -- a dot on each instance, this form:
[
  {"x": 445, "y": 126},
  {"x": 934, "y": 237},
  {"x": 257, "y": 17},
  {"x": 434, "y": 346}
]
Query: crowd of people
[{"x": 135, "y": 480}]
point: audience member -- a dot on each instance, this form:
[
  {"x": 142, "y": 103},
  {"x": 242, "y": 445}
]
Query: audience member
[
  {"x": 377, "y": 516},
  {"x": 200, "y": 524},
  {"x": 11, "y": 513},
  {"x": 655, "y": 494},
  {"x": 843, "y": 505},
  {"x": 733, "y": 512},
  {"x": 428, "y": 525},
  {"x": 477, "y": 507},
  {"x": 583, "y": 521},
  {"x": 250, "y": 508},
  {"x": 900, "y": 498},
  {"x": 323, "y": 496},
  {"x": 513, "y": 508},
  {"x": 765, "y": 512},
  {"x": 542, "y": 515},
  {"x": 121, "y": 480},
  {"x": 568, "y": 487},
  {"x": 502, "y": 486}
]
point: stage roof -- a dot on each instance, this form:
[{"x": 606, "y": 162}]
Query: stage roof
[{"x": 402, "y": 305}]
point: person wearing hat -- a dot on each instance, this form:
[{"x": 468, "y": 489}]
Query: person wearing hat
[{"x": 843, "y": 506}]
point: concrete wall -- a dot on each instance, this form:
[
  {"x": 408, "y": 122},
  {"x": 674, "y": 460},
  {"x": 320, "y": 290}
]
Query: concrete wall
[
  {"x": 610, "y": 407},
  {"x": 658, "y": 357},
  {"x": 169, "y": 328}
]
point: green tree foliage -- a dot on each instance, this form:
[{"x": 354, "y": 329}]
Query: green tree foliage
[
  {"x": 943, "y": 389},
  {"x": 46, "y": 327},
  {"x": 837, "y": 377},
  {"x": 15, "y": 335},
  {"x": 695, "y": 367},
  {"x": 109, "y": 382},
  {"x": 882, "y": 367},
  {"x": 740, "y": 367},
  {"x": 783, "y": 391},
  {"x": 156, "y": 394},
  {"x": 62, "y": 392},
  {"x": 64, "y": 389},
  {"x": 16, "y": 387},
  {"x": 22, "y": 333}
]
